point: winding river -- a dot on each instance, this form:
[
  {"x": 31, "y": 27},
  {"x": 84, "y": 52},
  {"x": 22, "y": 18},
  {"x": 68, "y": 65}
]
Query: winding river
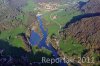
[{"x": 42, "y": 43}]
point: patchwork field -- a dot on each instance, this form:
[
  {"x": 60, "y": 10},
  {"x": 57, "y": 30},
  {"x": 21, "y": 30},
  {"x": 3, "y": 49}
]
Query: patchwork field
[{"x": 59, "y": 18}]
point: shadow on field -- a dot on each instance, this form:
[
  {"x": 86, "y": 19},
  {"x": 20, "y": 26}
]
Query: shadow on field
[
  {"x": 20, "y": 57},
  {"x": 79, "y": 17},
  {"x": 10, "y": 50}
]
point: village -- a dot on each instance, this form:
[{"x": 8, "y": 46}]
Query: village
[{"x": 48, "y": 6}]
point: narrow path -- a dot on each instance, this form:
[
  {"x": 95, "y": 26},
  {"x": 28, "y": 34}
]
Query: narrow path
[{"x": 54, "y": 21}]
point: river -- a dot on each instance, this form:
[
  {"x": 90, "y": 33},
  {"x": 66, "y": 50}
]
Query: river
[{"x": 42, "y": 42}]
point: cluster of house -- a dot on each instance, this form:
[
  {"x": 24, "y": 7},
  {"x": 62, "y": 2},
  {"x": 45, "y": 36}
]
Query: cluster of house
[{"x": 49, "y": 6}]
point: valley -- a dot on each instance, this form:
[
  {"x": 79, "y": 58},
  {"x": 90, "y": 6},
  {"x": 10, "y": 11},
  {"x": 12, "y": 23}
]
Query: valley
[{"x": 32, "y": 29}]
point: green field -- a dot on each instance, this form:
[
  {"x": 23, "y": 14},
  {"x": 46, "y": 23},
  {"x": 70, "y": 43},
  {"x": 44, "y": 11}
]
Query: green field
[
  {"x": 11, "y": 36},
  {"x": 71, "y": 47},
  {"x": 63, "y": 17}
]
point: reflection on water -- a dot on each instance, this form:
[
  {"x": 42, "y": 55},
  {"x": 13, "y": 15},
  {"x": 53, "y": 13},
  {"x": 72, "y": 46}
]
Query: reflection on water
[{"x": 42, "y": 42}]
